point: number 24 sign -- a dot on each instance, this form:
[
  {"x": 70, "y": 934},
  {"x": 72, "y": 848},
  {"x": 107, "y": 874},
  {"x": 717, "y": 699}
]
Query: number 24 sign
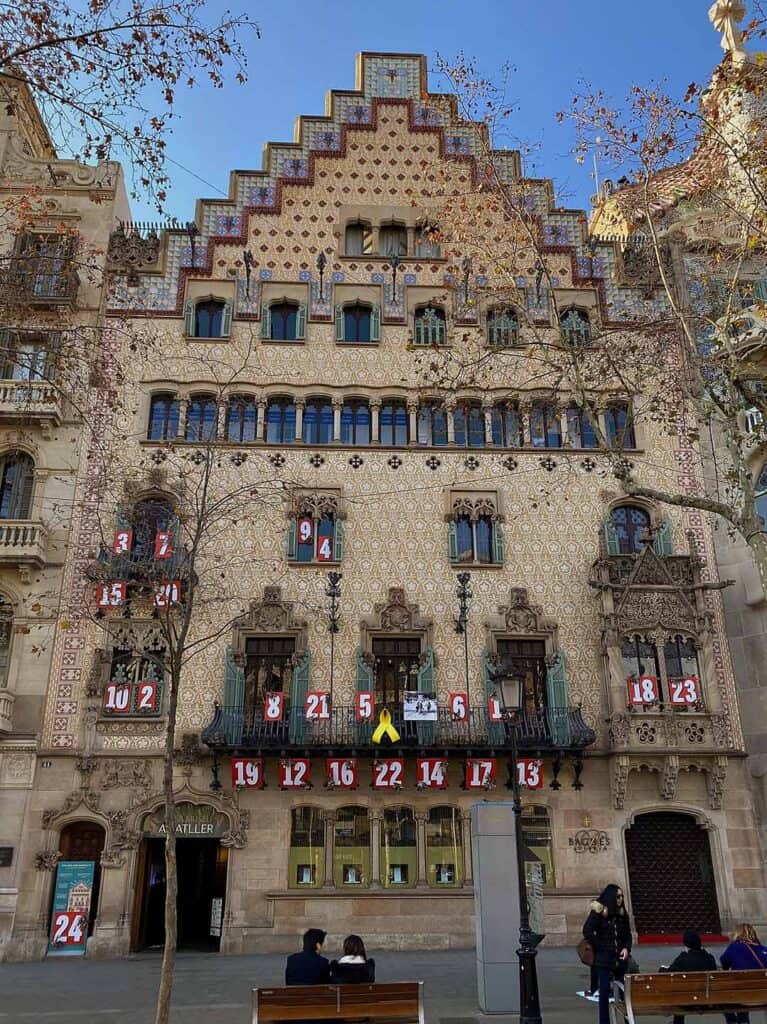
[{"x": 67, "y": 928}]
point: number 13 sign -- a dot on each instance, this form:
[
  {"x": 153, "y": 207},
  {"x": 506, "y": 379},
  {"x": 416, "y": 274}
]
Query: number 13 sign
[{"x": 530, "y": 773}]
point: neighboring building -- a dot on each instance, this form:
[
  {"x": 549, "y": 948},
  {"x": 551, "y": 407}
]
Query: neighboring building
[
  {"x": 305, "y": 371},
  {"x": 54, "y": 215}
]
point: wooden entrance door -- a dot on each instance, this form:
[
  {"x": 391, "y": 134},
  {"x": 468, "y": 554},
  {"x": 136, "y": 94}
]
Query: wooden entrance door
[{"x": 84, "y": 840}]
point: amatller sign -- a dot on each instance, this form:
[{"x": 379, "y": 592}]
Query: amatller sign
[{"x": 199, "y": 821}]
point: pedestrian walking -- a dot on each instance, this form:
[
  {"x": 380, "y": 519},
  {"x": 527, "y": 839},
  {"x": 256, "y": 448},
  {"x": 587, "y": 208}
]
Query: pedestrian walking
[
  {"x": 354, "y": 967},
  {"x": 608, "y": 930},
  {"x": 692, "y": 958},
  {"x": 308, "y": 967},
  {"x": 744, "y": 953}
]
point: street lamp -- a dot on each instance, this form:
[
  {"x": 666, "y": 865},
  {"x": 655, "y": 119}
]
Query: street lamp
[
  {"x": 512, "y": 697},
  {"x": 464, "y": 595},
  {"x": 333, "y": 593}
]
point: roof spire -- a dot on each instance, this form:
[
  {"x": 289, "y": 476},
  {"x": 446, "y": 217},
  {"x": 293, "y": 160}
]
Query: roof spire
[{"x": 725, "y": 16}]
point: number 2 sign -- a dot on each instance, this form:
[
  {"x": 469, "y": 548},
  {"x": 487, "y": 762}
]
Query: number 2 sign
[{"x": 530, "y": 773}]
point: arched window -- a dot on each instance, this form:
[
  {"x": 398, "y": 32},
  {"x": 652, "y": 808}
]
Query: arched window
[
  {"x": 444, "y": 847},
  {"x": 358, "y": 323},
  {"x": 280, "y": 421},
  {"x": 474, "y": 533},
  {"x": 618, "y": 426},
  {"x": 359, "y": 239},
  {"x": 507, "y": 429},
  {"x": 576, "y": 328},
  {"x": 392, "y": 240},
  {"x": 399, "y": 859},
  {"x": 318, "y": 421},
  {"x": 148, "y": 518},
  {"x": 502, "y": 328},
  {"x": 432, "y": 424},
  {"x": 681, "y": 657},
  {"x": 6, "y": 634},
  {"x": 640, "y": 658},
  {"x": 209, "y": 318},
  {"x": 351, "y": 864},
  {"x": 394, "y": 423},
  {"x": 760, "y": 492},
  {"x": 355, "y": 422},
  {"x": 545, "y": 426},
  {"x": 430, "y": 326},
  {"x": 307, "y": 847},
  {"x": 630, "y": 524},
  {"x": 318, "y": 536},
  {"x": 469, "y": 425},
  {"x": 163, "y": 418},
  {"x": 241, "y": 418},
  {"x": 537, "y": 846},
  {"x": 17, "y": 474},
  {"x": 284, "y": 321},
  {"x": 427, "y": 245},
  {"x": 201, "y": 418},
  {"x": 580, "y": 429}
]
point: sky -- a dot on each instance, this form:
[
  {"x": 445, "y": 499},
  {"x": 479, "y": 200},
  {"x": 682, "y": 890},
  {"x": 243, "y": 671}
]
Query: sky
[{"x": 307, "y": 48}]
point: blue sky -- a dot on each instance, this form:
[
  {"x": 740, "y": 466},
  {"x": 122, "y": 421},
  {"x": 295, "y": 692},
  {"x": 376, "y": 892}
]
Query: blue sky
[{"x": 309, "y": 47}]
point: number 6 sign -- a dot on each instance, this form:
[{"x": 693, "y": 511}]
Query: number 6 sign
[{"x": 459, "y": 706}]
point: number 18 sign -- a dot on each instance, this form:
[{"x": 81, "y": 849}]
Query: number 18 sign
[{"x": 71, "y": 908}]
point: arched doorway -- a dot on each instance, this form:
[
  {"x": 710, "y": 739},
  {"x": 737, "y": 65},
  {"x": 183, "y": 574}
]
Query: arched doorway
[
  {"x": 84, "y": 841},
  {"x": 671, "y": 875}
]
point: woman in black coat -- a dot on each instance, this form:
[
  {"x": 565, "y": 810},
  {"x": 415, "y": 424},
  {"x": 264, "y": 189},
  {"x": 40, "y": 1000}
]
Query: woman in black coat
[
  {"x": 608, "y": 930},
  {"x": 354, "y": 966}
]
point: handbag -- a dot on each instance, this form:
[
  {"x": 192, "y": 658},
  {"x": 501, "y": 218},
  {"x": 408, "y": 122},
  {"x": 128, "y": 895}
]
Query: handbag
[
  {"x": 585, "y": 952},
  {"x": 632, "y": 967}
]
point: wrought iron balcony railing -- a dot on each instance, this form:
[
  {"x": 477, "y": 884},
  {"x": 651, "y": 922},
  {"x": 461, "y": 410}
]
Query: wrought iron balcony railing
[
  {"x": 41, "y": 281},
  {"x": 548, "y": 729},
  {"x": 140, "y": 566}
]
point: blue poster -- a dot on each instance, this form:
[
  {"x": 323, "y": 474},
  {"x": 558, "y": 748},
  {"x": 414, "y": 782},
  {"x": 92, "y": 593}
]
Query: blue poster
[{"x": 71, "y": 907}]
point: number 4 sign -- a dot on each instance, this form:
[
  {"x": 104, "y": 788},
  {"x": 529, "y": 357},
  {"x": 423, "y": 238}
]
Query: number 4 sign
[{"x": 530, "y": 773}]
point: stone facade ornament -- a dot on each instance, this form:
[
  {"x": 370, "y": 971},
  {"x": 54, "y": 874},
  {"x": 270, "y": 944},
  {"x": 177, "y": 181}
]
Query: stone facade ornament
[
  {"x": 669, "y": 776},
  {"x": 79, "y": 798},
  {"x": 129, "y": 249},
  {"x": 715, "y": 777},
  {"x": 269, "y": 615},
  {"x": 126, "y": 773},
  {"x": 620, "y": 780},
  {"x": 395, "y": 615},
  {"x": 725, "y": 16},
  {"x": 619, "y": 729},
  {"x": 519, "y": 616},
  {"x": 46, "y": 860}
]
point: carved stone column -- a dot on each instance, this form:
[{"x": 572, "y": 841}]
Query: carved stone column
[
  {"x": 299, "y": 403},
  {"x": 337, "y": 406},
  {"x": 449, "y": 413},
  {"x": 421, "y": 817},
  {"x": 183, "y": 407},
  {"x": 375, "y": 412},
  {"x": 488, "y": 410},
  {"x": 329, "y": 819},
  {"x": 563, "y": 427},
  {"x": 221, "y": 411},
  {"x": 525, "y": 434},
  {"x": 375, "y": 817},
  {"x": 412, "y": 412},
  {"x": 468, "y": 876},
  {"x": 260, "y": 418}
]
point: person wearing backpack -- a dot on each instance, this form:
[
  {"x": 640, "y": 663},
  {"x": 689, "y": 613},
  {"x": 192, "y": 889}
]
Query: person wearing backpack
[
  {"x": 608, "y": 931},
  {"x": 744, "y": 953}
]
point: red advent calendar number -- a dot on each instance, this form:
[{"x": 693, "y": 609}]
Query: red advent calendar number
[
  {"x": 365, "y": 705},
  {"x": 317, "y": 705},
  {"x": 163, "y": 546},
  {"x": 67, "y": 928},
  {"x": 684, "y": 691},
  {"x": 325, "y": 549},
  {"x": 168, "y": 594},
  {"x": 248, "y": 771},
  {"x": 273, "y": 705},
  {"x": 388, "y": 774},
  {"x": 146, "y": 697},
  {"x": 305, "y": 529},
  {"x": 494, "y": 712},
  {"x": 117, "y": 698},
  {"x": 530, "y": 773},
  {"x": 123, "y": 542},
  {"x": 295, "y": 774},
  {"x": 342, "y": 772},
  {"x": 643, "y": 690},
  {"x": 459, "y": 706},
  {"x": 431, "y": 773},
  {"x": 480, "y": 772},
  {"x": 111, "y": 595}
]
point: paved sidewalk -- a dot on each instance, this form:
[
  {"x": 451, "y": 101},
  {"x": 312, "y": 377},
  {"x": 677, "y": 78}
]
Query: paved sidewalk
[{"x": 214, "y": 989}]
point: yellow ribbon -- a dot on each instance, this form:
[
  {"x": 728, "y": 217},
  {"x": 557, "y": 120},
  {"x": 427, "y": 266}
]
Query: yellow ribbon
[{"x": 385, "y": 728}]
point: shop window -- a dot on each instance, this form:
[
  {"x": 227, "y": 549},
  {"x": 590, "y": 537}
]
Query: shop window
[
  {"x": 444, "y": 848},
  {"x": 17, "y": 476},
  {"x": 281, "y": 421},
  {"x": 358, "y": 323},
  {"x": 430, "y": 326},
  {"x": 283, "y": 321},
  {"x": 355, "y": 422},
  {"x": 629, "y": 528},
  {"x": 307, "y": 848},
  {"x": 469, "y": 425},
  {"x": 318, "y": 421},
  {"x": 537, "y": 845},
  {"x": 394, "y": 423},
  {"x": 619, "y": 427},
  {"x": 545, "y": 426},
  {"x": 392, "y": 240},
  {"x": 506, "y": 425},
  {"x": 576, "y": 328},
  {"x": 502, "y": 328},
  {"x": 399, "y": 858},
  {"x": 6, "y": 634},
  {"x": 359, "y": 239},
  {"x": 351, "y": 866},
  {"x": 580, "y": 429},
  {"x": 163, "y": 418},
  {"x": 432, "y": 424},
  {"x": 241, "y": 418},
  {"x": 201, "y": 418}
]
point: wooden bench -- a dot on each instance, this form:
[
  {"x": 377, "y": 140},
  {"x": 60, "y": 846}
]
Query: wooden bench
[
  {"x": 668, "y": 993},
  {"x": 400, "y": 1001}
]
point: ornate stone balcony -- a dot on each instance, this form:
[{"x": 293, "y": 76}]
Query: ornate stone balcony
[
  {"x": 23, "y": 544},
  {"x": 26, "y": 400},
  {"x": 661, "y": 730}
]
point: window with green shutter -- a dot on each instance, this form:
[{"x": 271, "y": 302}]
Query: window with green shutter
[
  {"x": 662, "y": 543},
  {"x": 557, "y": 700},
  {"x": 299, "y": 687}
]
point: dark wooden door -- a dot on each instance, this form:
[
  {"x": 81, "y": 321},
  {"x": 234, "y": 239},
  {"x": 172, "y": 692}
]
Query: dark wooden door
[
  {"x": 671, "y": 875},
  {"x": 84, "y": 840}
]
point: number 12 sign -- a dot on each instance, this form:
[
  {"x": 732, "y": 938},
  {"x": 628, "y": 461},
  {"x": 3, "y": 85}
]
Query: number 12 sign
[{"x": 294, "y": 774}]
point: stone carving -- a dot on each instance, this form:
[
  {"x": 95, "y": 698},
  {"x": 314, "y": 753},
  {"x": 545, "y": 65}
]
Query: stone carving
[
  {"x": 619, "y": 729},
  {"x": 671, "y": 727},
  {"x": 721, "y": 731},
  {"x": 474, "y": 508},
  {"x": 620, "y": 780},
  {"x": 655, "y": 610},
  {"x": 395, "y": 615},
  {"x": 126, "y": 773},
  {"x": 590, "y": 840},
  {"x": 647, "y": 732},
  {"x": 694, "y": 732},
  {"x": 122, "y": 837},
  {"x": 269, "y": 615},
  {"x": 46, "y": 860},
  {"x": 725, "y": 16},
  {"x": 669, "y": 776},
  {"x": 129, "y": 249},
  {"x": 716, "y": 775},
  {"x": 519, "y": 616},
  {"x": 79, "y": 798},
  {"x": 86, "y": 764},
  {"x": 317, "y": 505},
  {"x": 111, "y": 858},
  {"x": 190, "y": 753}
]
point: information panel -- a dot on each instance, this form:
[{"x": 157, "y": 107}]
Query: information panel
[{"x": 71, "y": 907}]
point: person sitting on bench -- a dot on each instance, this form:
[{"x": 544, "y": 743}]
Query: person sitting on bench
[
  {"x": 353, "y": 968},
  {"x": 744, "y": 953},
  {"x": 693, "y": 958},
  {"x": 308, "y": 967}
]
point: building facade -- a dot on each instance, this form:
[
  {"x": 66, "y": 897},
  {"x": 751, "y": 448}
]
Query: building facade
[{"x": 290, "y": 325}]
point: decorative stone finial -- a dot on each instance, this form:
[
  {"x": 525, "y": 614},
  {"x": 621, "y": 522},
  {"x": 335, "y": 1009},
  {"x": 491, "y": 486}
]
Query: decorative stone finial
[{"x": 725, "y": 16}]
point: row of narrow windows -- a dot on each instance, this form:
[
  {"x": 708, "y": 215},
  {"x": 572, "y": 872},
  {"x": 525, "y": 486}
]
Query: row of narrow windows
[{"x": 468, "y": 425}]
